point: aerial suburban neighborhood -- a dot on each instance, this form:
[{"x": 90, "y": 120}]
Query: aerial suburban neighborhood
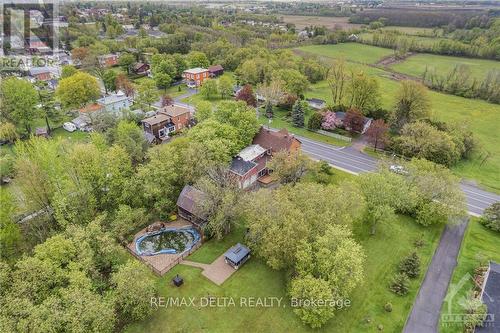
[{"x": 250, "y": 166}]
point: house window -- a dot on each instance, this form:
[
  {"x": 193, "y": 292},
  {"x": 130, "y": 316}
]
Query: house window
[
  {"x": 262, "y": 172},
  {"x": 161, "y": 133}
]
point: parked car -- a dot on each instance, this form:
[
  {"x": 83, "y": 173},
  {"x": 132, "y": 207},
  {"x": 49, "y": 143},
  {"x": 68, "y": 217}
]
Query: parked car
[
  {"x": 399, "y": 169},
  {"x": 70, "y": 127}
]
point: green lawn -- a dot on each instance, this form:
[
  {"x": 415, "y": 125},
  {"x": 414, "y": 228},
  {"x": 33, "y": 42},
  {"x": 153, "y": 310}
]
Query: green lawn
[
  {"x": 416, "y": 65},
  {"x": 393, "y": 241},
  {"x": 479, "y": 246},
  {"x": 353, "y": 52}
]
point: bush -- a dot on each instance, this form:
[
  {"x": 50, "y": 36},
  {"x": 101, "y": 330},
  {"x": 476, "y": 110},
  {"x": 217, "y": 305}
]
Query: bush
[
  {"x": 491, "y": 217},
  {"x": 476, "y": 313},
  {"x": 410, "y": 265},
  {"x": 314, "y": 122},
  {"x": 388, "y": 307},
  {"x": 400, "y": 284}
]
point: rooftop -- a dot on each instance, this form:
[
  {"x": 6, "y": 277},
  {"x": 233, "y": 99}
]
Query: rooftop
[
  {"x": 196, "y": 70},
  {"x": 156, "y": 119},
  {"x": 191, "y": 200},
  {"x": 274, "y": 140},
  {"x": 174, "y": 110},
  {"x": 251, "y": 152},
  {"x": 240, "y": 166},
  {"x": 215, "y": 68},
  {"x": 237, "y": 253},
  {"x": 111, "y": 99}
]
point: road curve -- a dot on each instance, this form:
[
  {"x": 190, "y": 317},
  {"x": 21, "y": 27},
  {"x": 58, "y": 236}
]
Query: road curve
[{"x": 353, "y": 161}]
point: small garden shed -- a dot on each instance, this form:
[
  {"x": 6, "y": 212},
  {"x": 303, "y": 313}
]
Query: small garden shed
[{"x": 237, "y": 255}]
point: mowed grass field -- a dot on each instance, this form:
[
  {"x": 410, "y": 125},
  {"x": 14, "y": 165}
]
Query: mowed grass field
[
  {"x": 416, "y": 65},
  {"x": 353, "y": 52},
  {"x": 302, "y": 21},
  {"x": 482, "y": 117},
  {"x": 384, "y": 250},
  {"x": 478, "y": 247}
]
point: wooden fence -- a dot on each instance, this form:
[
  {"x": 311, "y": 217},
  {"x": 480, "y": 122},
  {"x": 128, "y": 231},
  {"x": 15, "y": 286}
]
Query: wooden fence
[{"x": 171, "y": 264}]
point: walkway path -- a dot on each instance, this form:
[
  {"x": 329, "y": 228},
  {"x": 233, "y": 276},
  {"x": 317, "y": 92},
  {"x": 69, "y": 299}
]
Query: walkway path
[
  {"x": 426, "y": 311},
  {"x": 217, "y": 272}
]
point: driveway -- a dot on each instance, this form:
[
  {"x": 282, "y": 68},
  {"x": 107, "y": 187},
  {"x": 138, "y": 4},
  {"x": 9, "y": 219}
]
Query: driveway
[{"x": 426, "y": 310}]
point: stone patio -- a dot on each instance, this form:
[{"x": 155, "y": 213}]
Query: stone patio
[{"x": 217, "y": 272}]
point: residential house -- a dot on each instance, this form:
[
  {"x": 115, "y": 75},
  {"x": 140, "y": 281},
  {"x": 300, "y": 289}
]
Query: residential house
[
  {"x": 141, "y": 68},
  {"x": 316, "y": 103},
  {"x": 194, "y": 77},
  {"x": 339, "y": 122},
  {"x": 189, "y": 206},
  {"x": 115, "y": 103},
  {"x": 250, "y": 164},
  {"x": 44, "y": 73},
  {"x": 216, "y": 70},
  {"x": 108, "y": 60},
  {"x": 82, "y": 122},
  {"x": 168, "y": 119}
]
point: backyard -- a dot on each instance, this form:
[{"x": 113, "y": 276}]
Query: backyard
[{"x": 384, "y": 250}]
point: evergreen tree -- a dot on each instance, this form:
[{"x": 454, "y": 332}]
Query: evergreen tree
[
  {"x": 269, "y": 110},
  {"x": 298, "y": 114},
  {"x": 410, "y": 265},
  {"x": 400, "y": 284}
]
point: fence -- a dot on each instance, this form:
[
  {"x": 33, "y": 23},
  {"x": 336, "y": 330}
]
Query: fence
[
  {"x": 335, "y": 135},
  {"x": 170, "y": 265}
]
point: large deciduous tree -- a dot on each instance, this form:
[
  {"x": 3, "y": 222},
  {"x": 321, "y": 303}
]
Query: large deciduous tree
[
  {"x": 412, "y": 103},
  {"x": 338, "y": 79},
  {"x": 147, "y": 93},
  {"x": 246, "y": 94},
  {"x": 377, "y": 133},
  {"x": 19, "y": 100},
  {"x": 77, "y": 90},
  {"x": 354, "y": 120},
  {"x": 289, "y": 167}
]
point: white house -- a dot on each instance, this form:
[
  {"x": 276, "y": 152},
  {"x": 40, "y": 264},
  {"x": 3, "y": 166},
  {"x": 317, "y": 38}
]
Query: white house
[{"x": 114, "y": 102}]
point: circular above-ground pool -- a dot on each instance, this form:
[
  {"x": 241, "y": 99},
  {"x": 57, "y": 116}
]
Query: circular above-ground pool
[{"x": 167, "y": 240}]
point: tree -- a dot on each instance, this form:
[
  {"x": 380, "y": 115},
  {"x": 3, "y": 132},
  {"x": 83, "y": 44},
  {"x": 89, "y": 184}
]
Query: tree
[
  {"x": 19, "y": 100},
  {"x": 109, "y": 80},
  {"x": 410, "y": 265},
  {"x": 127, "y": 220},
  {"x": 376, "y": 134},
  {"x": 131, "y": 138},
  {"x": 166, "y": 100},
  {"x": 47, "y": 105},
  {"x": 123, "y": 83},
  {"x": 68, "y": 70},
  {"x": 298, "y": 113},
  {"x": 328, "y": 120},
  {"x": 337, "y": 79},
  {"x": 162, "y": 80},
  {"x": 134, "y": 288},
  {"x": 225, "y": 86},
  {"x": 491, "y": 217},
  {"x": 412, "y": 103},
  {"x": 363, "y": 92},
  {"x": 269, "y": 110},
  {"x": 220, "y": 200},
  {"x": 273, "y": 92},
  {"x": 294, "y": 82},
  {"x": 307, "y": 288},
  {"x": 126, "y": 60},
  {"x": 209, "y": 89},
  {"x": 246, "y": 94},
  {"x": 203, "y": 111},
  {"x": 147, "y": 93},
  {"x": 197, "y": 59},
  {"x": 422, "y": 140},
  {"x": 77, "y": 90},
  {"x": 354, "y": 121},
  {"x": 8, "y": 132},
  {"x": 289, "y": 167},
  {"x": 10, "y": 234},
  {"x": 400, "y": 284}
]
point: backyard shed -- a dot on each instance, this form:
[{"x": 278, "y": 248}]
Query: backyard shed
[{"x": 237, "y": 255}]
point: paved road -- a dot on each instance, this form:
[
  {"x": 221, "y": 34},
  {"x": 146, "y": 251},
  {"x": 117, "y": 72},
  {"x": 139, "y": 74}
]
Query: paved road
[
  {"x": 426, "y": 310},
  {"x": 353, "y": 161}
]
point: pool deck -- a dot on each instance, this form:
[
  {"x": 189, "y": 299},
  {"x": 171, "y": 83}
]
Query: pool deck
[{"x": 161, "y": 263}]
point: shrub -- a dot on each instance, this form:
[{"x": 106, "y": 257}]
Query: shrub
[
  {"x": 388, "y": 307},
  {"x": 400, "y": 284},
  {"x": 314, "y": 122},
  {"x": 410, "y": 265},
  {"x": 476, "y": 313},
  {"x": 491, "y": 217}
]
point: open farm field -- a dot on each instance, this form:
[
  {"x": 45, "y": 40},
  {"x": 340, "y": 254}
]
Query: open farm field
[{"x": 329, "y": 22}]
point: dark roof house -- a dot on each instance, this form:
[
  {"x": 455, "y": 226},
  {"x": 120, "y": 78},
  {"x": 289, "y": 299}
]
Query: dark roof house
[
  {"x": 190, "y": 205},
  {"x": 491, "y": 297},
  {"x": 216, "y": 70},
  {"x": 276, "y": 141}
]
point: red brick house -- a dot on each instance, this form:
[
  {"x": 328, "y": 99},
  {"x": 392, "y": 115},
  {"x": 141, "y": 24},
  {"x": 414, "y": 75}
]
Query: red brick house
[
  {"x": 194, "y": 77},
  {"x": 168, "y": 119},
  {"x": 250, "y": 164},
  {"x": 108, "y": 60}
]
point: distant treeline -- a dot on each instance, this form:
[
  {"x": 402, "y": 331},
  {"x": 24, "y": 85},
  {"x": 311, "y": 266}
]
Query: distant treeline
[
  {"x": 459, "y": 82},
  {"x": 477, "y": 48},
  {"x": 417, "y": 17}
]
